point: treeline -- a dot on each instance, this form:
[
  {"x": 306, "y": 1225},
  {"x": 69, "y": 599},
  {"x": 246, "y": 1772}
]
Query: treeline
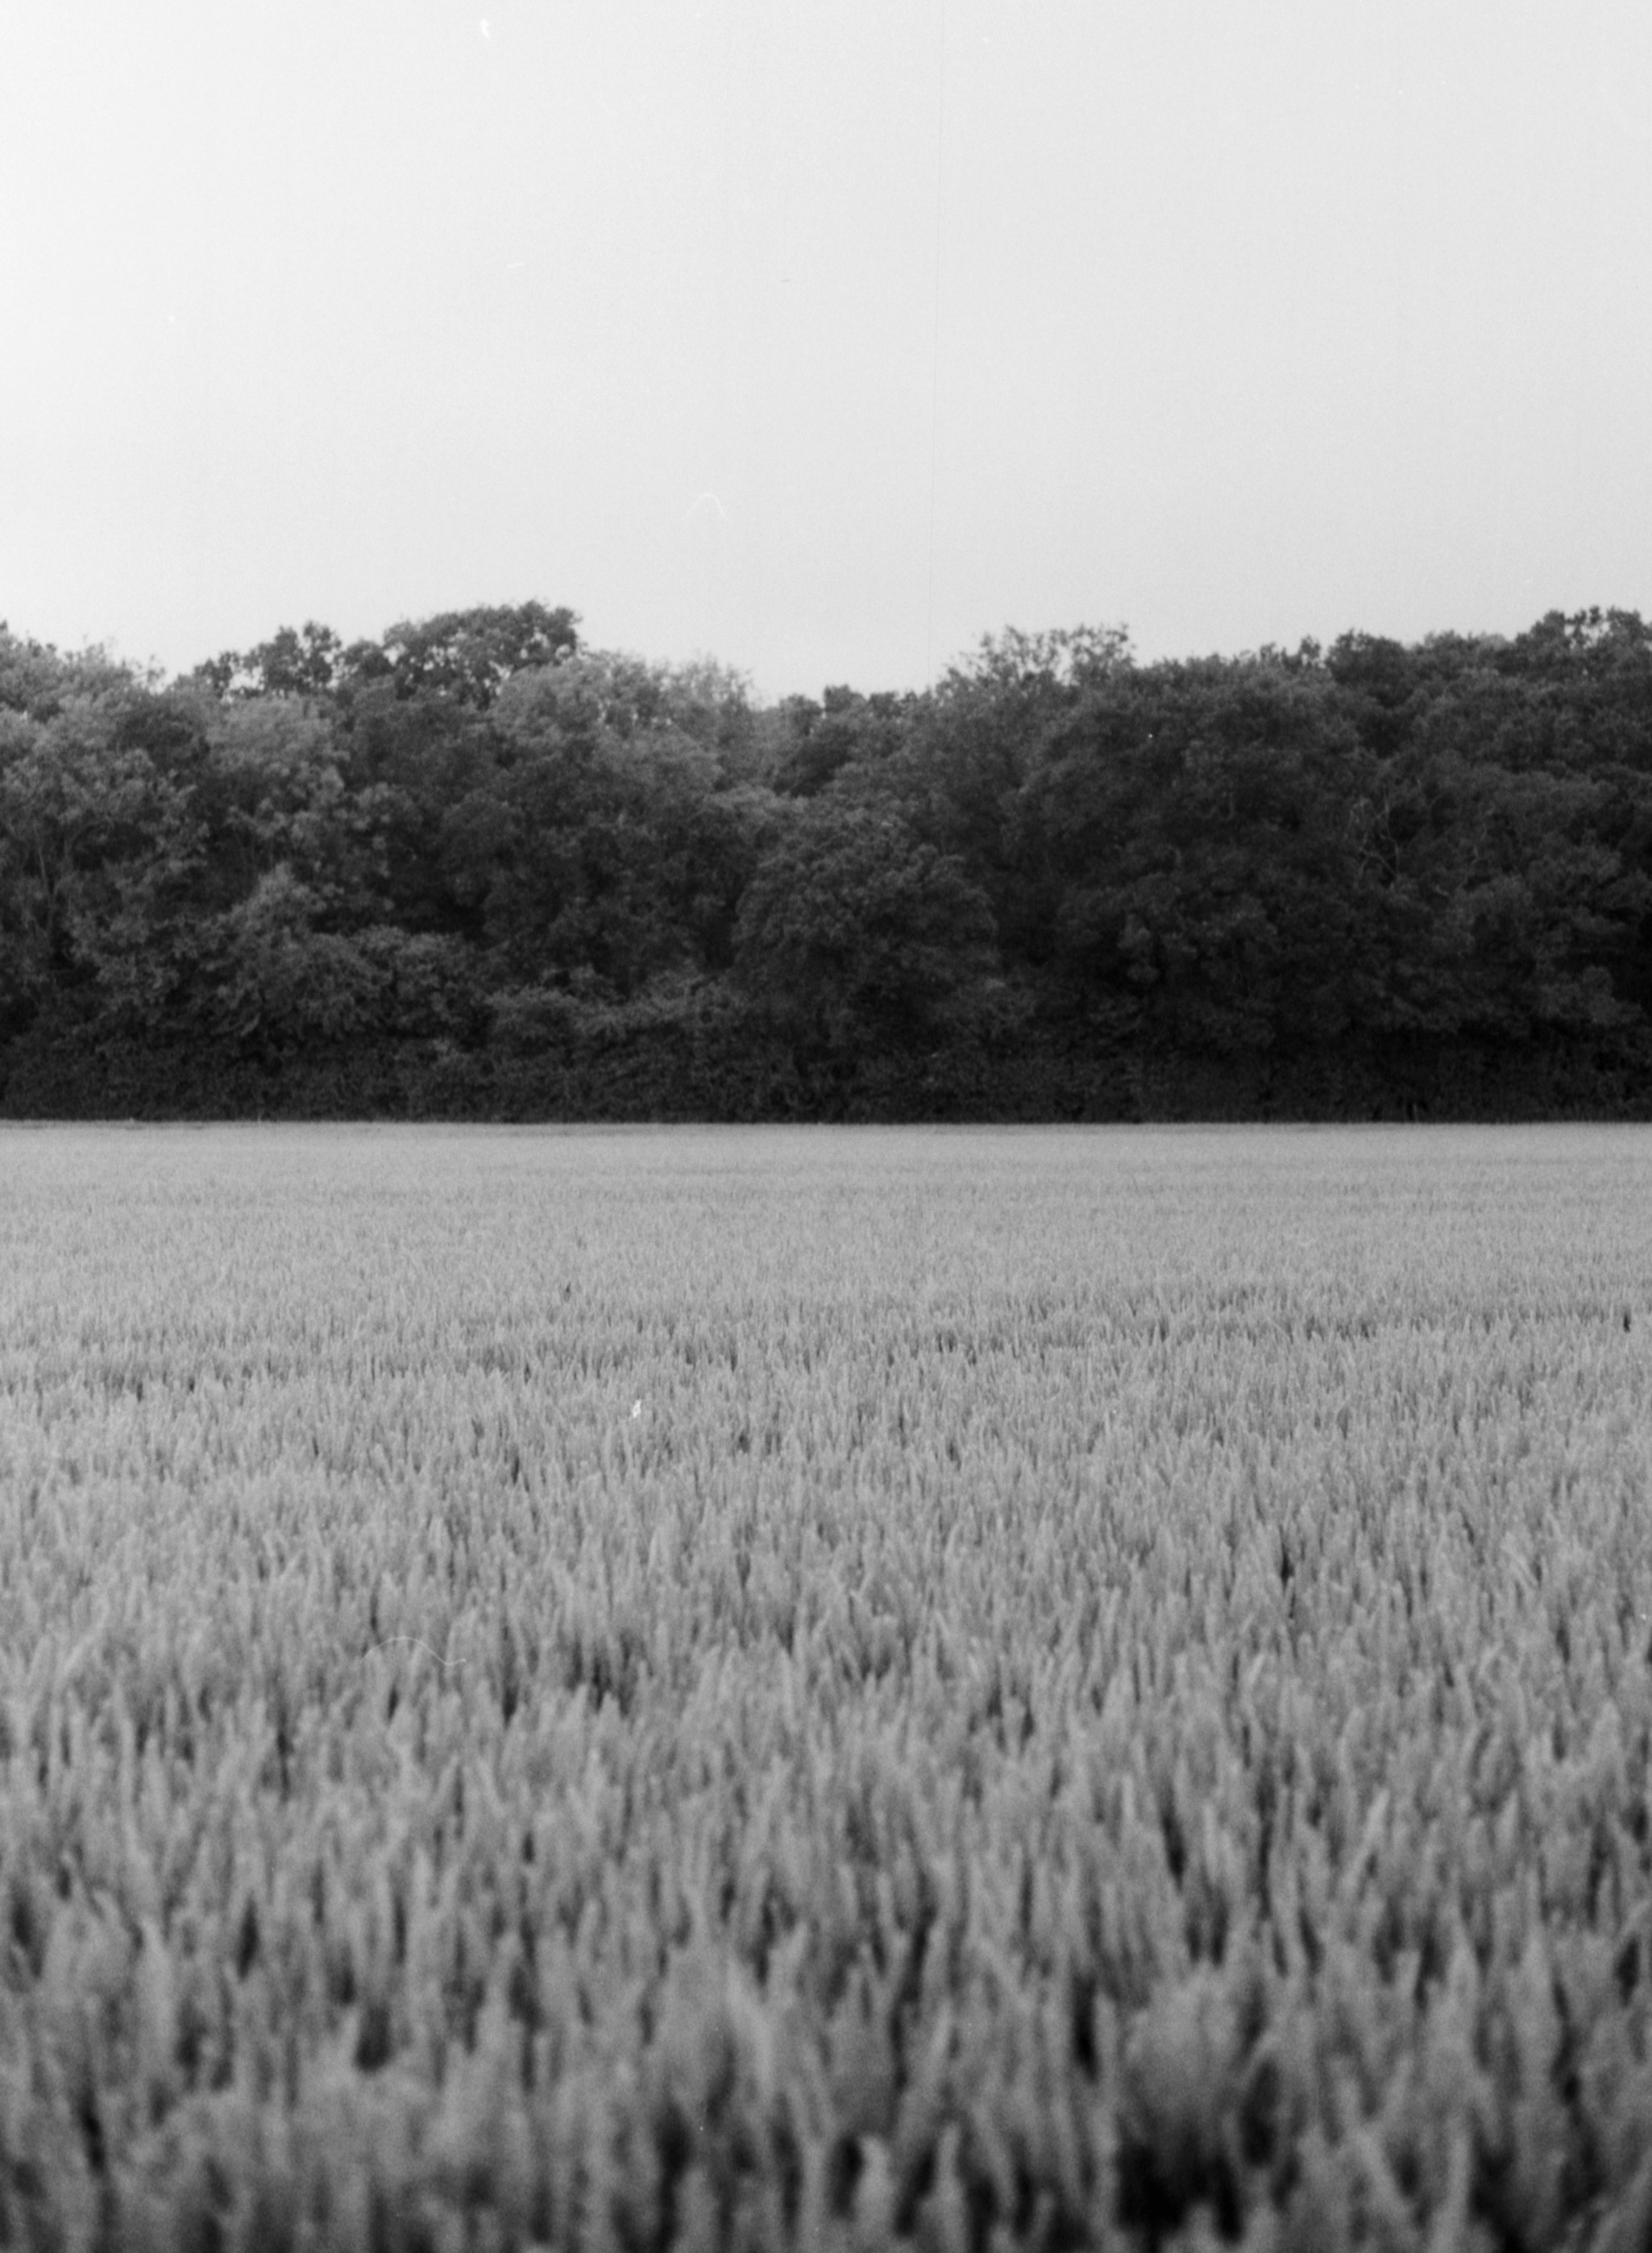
[{"x": 475, "y": 869}]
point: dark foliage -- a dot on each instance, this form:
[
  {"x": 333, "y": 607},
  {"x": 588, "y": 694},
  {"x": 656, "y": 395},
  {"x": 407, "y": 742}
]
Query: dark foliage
[{"x": 474, "y": 869}]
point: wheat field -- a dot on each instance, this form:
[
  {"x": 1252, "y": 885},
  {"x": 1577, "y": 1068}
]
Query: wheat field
[{"x": 826, "y": 1688}]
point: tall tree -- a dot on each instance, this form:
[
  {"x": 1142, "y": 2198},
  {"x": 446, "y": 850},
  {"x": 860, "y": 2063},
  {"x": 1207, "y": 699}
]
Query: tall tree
[
  {"x": 467, "y": 655},
  {"x": 855, "y": 934}
]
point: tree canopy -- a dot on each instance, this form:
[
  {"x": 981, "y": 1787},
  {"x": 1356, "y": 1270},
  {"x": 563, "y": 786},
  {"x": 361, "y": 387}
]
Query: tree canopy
[{"x": 478, "y": 839}]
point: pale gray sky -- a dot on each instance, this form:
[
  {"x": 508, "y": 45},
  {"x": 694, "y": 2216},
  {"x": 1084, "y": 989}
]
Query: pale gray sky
[{"x": 823, "y": 335}]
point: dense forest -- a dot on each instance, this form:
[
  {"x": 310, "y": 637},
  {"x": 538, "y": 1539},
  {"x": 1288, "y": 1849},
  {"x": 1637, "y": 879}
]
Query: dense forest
[{"x": 478, "y": 869}]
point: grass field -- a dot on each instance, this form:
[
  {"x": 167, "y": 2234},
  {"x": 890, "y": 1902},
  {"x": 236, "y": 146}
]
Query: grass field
[{"x": 824, "y": 1688}]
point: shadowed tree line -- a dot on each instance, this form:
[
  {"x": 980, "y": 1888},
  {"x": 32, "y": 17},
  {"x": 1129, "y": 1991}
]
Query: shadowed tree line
[{"x": 475, "y": 868}]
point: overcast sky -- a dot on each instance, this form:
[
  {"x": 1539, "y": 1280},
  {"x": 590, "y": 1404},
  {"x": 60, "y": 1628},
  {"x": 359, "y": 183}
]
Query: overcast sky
[{"x": 823, "y": 336}]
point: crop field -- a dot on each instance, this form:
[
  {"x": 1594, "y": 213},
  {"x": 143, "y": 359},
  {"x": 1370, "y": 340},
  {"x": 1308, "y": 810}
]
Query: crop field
[{"x": 833, "y": 1688}]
